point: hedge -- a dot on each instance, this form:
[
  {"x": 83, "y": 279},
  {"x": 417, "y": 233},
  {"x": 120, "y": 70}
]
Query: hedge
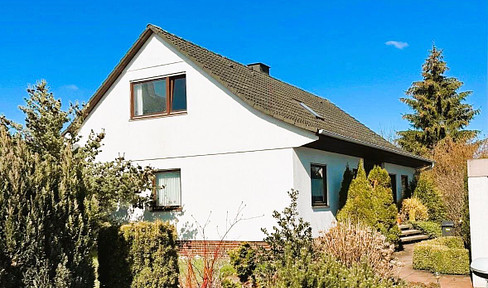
[
  {"x": 444, "y": 255},
  {"x": 433, "y": 229},
  {"x": 136, "y": 255}
]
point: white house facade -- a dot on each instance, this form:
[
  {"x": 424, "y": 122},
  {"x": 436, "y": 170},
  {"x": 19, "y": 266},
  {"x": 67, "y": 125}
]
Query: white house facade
[{"x": 222, "y": 135}]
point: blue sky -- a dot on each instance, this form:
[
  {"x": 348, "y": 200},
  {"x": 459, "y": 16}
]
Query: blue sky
[{"x": 335, "y": 49}]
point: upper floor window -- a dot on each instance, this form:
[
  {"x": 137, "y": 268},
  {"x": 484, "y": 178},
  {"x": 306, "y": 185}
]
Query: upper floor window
[
  {"x": 158, "y": 97},
  {"x": 319, "y": 184}
]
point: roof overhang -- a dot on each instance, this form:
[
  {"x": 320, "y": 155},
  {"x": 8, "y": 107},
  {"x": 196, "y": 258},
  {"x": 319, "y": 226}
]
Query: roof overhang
[{"x": 342, "y": 145}]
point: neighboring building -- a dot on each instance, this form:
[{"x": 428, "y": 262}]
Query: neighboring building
[{"x": 221, "y": 133}]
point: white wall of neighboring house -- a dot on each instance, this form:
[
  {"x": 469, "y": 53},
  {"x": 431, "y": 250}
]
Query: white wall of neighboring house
[
  {"x": 478, "y": 204},
  {"x": 228, "y": 153}
]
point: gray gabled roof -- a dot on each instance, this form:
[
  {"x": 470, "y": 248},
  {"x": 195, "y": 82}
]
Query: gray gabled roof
[{"x": 264, "y": 93}]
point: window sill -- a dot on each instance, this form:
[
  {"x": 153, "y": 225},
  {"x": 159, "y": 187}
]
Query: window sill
[
  {"x": 320, "y": 206},
  {"x": 166, "y": 208},
  {"x": 151, "y": 116}
]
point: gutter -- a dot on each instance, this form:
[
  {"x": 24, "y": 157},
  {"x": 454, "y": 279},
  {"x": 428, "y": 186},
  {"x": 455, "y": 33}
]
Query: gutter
[{"x": 352, "y": 140}]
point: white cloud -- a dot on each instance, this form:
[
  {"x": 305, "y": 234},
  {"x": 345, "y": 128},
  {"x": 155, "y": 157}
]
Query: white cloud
[
  {"x": 71, "y": 87},
  {"x": 398, "y": 44}
]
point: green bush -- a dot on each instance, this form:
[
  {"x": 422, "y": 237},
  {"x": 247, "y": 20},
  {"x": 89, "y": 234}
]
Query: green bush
[
  {"x": 324, "y": 271},
  {"x": 142, "y": 254},
  {"x": 444, "y": 255},
  {"x": 433, "y": 229},
  {"x": 428, "y": 194},
  {"x": 243, "y": 259},
  {"x": 370, "y": 201}
]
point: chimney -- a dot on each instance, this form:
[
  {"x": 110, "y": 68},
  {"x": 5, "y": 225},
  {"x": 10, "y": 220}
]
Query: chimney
[{"x": 261, "y": 67}]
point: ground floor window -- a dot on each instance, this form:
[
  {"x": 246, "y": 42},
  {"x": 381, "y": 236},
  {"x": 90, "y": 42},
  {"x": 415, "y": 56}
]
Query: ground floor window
[
  {"x": 167, "y": 189},
  {"x": 404, "y": 185},
  {"x": 318, "y": 176}
]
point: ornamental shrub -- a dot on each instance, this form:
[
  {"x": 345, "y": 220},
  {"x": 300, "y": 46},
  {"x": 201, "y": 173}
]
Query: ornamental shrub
[
  {"x": 413, "y": 210},
  {"x": 433, "y": 229},
  {"x": 428, "y": 194},
  {"x": 444, "y": 255},
  {"x": 356, "y": 244},
  {"x": 370, "y": 201},
  {"x": 243, "y": 259},
  {"x": 147, "y": 257}
]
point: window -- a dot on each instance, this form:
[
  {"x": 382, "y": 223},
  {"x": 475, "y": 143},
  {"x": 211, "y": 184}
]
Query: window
[
  {"x": 404, "y": 185},
  {"x": 167, "y": 194},
  {"x": 319, "y": 185},
  {"x": 394, "y": 186},
  {"x": 317, "y": 115},
  {"x": 162, "y": 96}
]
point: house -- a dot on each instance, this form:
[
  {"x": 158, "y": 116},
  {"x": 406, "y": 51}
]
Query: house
[{"x": 223, "y": 134}]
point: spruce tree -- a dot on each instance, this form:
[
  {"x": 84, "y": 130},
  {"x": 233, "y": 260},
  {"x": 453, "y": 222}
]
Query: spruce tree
[
  {"x": 54, "y": 194},
  {"x": 439, "y": 109},
  {"x": 347, "y": 178}
]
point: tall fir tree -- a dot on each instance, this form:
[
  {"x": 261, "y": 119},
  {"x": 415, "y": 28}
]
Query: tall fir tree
[
  {"x": 439, "y": 109},
  {"x": 53, "y": 195}
]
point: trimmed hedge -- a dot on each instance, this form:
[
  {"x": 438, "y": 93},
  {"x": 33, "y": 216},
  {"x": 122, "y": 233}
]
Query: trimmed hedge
[
  {"x": 430, "y": 228},
  {"x": 444, "y": 255},
  {"x": 136, "y": 255}
]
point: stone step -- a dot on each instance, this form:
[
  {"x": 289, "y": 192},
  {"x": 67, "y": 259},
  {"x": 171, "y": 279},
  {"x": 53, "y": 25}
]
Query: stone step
[
  {"x": 414, "y": 238},
  {"x": 410, "y": 232},
  {"x": 405, "y": 226}
]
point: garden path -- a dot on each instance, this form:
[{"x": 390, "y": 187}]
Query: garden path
[{"x": 407, "y": 273}]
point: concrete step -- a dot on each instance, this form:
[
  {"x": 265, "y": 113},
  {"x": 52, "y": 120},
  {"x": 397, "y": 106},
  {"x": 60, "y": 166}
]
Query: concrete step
[
  {"x": 410, "y": 232},
  {"x": 413, "y": 238},
  {"x": 405, "y": 226}
]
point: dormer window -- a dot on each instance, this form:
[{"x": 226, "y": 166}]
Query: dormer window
[{"x": 158, "y": 97}]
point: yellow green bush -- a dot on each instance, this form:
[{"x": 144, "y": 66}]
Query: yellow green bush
[
  {"x": 444, "y": 255},
  {"x": 413, "y": 210},
  {"x": 141, "y": 254}
]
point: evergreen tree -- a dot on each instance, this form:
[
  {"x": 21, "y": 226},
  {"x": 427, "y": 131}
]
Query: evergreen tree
[
  {"x": 53, "y": 195},
  {"x": 439, "y": 110},
  {"x": 370, "y": 202},
  {"x": 347, "y": 178}
]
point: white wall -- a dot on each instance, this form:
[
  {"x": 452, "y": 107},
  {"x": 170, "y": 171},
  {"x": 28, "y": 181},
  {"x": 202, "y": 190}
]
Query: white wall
[
  {"x": 398, "y": 171},
  {"x": 478, "y": 204},
  {"x": 227, "y": 151},
  {"x": 321, "y": 219}
]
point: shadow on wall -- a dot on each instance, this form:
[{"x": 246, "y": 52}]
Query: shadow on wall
[{"x": 187, "y": 231}]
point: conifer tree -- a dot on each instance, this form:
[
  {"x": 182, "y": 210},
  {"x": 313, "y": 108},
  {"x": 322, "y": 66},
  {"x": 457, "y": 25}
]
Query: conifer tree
[
  {"x": 347, "y": 178},
  {"x": 53, "y": 195},
  {"x": 370, "y": 202},
  {"x": 438, "y": 108}
]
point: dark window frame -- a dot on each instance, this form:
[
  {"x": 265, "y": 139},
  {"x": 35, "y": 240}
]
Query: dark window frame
[
  {"x": 325, "y": 192},
  {"x": 169, "y": 97},
  {"x": 153, "y": 204}
]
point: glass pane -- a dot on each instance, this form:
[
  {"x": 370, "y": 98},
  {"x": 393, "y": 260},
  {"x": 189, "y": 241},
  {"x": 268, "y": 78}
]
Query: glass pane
[
  {"x": 318, "y": 188},
  {"x": 150, "y": 97},
  {"x": 168, "y": 188},
  {"x": 179, "y": 94}
]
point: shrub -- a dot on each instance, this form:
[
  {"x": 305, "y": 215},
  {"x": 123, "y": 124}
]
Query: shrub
[
  {"x": 356, "y": 244},
  {"x": 243, "y": 259},
  {"x": 346, "y": 182},
  {"x": 433, "y": 229},
  {"x": 444, "y": 255},
  {"x": 144, "y": 254},
  {"x": 413, "y": 210},
  {"x": 325, "y": 271},
  {"x": 370, "y": 201},
  {"x": 428, "y": 194}
]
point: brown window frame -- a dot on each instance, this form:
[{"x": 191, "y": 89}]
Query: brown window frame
[
  {"x": 325, "y": 203},
  {"x": 154, "y": 206},
  {"x": 169, "y": 99}
]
